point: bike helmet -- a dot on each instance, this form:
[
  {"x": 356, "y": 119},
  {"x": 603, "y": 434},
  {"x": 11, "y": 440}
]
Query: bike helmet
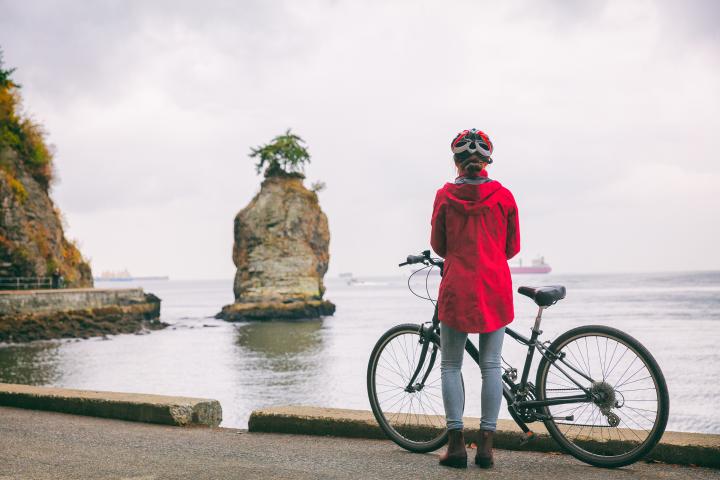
[{"x": 469, "y": 142}]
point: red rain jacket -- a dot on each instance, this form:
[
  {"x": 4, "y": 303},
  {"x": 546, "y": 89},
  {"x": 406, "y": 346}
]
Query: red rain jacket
[{"x": 476, "y": 229}]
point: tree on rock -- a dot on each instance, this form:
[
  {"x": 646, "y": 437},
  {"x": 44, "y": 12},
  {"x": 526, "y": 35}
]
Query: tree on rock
[
  {"x": 281, "y": 247},
  {"x": 283, "y": 156}
]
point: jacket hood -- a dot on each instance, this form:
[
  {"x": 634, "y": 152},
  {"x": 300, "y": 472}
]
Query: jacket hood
[{"x": 472, "y": 199}]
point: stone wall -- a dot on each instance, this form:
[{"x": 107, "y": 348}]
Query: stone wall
[
  {"x": 46, "y": 314},
  {"x": 67, "y": 299}
]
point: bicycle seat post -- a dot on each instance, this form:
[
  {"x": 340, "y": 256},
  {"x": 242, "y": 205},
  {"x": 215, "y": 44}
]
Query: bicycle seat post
[{"x": 536, "y": 328}]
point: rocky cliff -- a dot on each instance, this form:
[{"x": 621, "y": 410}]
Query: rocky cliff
[
  {"x": 281, "y": 254},
  {"x": 32, "y": 241}
]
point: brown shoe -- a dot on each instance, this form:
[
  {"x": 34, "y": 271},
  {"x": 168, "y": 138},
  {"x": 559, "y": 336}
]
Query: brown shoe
[
  {"x": 484, "y": 454},
  {"x": 456, "y": 454}
]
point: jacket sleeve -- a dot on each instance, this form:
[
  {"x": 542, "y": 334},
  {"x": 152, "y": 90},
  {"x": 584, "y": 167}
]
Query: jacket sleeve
[
  {"x": 512, "y": 242},
  {"x": 437, "y": 235}
]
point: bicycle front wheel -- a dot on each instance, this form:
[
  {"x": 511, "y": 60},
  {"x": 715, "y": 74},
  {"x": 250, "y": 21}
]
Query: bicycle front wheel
[
  {"x": 629, "y": 408},
  {"x": 412, "y": 415}
]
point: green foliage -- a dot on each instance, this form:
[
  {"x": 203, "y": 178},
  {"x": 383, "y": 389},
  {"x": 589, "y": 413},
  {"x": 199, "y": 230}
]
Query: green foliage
[
  {"x": 50, "y": 265},
  {"x": 17, "y": 188},
  {"x": 22, "y": 135},
  {"x": 318, "y": 186},
  {"x": 5, "y": 81},
  {"x": 283, "y": 156},
  {"x": 19, "y": 258}
]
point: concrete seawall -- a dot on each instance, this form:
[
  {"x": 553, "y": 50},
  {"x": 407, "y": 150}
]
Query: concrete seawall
[
  {"x": 27, "y": 315},
  {"x": 136, "y": 407},
  {"x": 33, "y": 301},
  {"x": 674, "y": 447}
]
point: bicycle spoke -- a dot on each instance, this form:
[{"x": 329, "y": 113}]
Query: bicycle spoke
[
  {"x": 626, "y": 370},
  {"x": 579, "y": 416},
  {"x": 588, "y": 357},
  {"x": 612, "y": 357},
  {"x": 415, "y": 416},
  {"x": 605, "y": 358},
  {"x": 631, "y": 429},
  {"x": 625, "y": 408},
  {"x": 578, "y": 362},
  {"x": 635, "y": 381},
  {"x": 562, "y": 412},
  {"x": 636, "y": 390},
  {"x": 402, "y": 399},
  {"x": 640, "y": 414},
  {"x": 618, "y": 361},
  {"x": 568, "y": 384},
  {"x": 391, "y": 351},
  {"x": 392, "y": 368},
  {"x": 602, "y": 367}
]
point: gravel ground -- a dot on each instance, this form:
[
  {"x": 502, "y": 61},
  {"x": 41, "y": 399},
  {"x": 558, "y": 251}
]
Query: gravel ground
[{"x": 48, "y": 445}]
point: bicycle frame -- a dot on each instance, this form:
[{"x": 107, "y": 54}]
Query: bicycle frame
[{"x": 515, "y": 393}]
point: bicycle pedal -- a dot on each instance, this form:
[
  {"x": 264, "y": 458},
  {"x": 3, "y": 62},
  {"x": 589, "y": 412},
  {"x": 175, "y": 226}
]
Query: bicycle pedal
[
  {"x": 529, "y": 435},
  {"x": 569, "y": 418}
]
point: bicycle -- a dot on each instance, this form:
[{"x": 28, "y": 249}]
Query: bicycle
[{"x": 617, "y": 398}]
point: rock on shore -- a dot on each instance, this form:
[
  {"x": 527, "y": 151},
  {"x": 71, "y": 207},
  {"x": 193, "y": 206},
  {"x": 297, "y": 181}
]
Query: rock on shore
[{"x": 281, "y": 254}]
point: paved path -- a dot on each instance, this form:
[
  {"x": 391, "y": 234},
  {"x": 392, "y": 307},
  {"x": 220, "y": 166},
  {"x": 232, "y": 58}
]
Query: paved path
[{"x": 48, "y": 445}]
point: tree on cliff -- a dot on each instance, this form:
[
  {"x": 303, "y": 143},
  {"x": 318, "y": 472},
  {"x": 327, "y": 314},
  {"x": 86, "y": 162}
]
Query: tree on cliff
[
  {"x": 20, "y": 134},
  {"x": 32, "y": 240},
  {"x": 5, "y": 81},
  {"x": 283, "y": 156}
]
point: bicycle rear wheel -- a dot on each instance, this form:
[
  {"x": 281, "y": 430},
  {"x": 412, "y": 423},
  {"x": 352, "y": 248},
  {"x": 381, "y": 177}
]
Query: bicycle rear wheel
[
  {"x": 411, "y": 415},
  {"x": 630, "y": 405}
]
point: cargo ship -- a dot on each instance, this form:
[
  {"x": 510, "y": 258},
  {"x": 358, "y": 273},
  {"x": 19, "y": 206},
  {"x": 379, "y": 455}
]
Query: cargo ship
[
  {"x": 538, "y": 266},
  {"x": 123, "y": 276}
]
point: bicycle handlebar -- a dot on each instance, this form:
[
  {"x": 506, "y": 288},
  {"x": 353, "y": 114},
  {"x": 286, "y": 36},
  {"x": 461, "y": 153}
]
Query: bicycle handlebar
[{"x": 423, "y": 258}]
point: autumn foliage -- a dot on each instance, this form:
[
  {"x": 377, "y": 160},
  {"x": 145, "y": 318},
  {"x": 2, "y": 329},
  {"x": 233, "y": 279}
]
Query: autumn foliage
[{"x": 21, "y": 139}]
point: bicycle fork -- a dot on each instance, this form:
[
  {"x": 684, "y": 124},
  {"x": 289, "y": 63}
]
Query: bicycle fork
[{"x": 425, "y": 339}]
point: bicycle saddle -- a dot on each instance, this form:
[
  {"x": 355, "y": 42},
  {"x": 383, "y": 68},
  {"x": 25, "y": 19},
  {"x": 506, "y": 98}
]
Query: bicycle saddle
[{"x": 544, "y": 296}]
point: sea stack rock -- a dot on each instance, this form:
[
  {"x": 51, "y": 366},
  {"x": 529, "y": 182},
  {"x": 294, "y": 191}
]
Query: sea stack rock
[{"x": 281, "y": 254}]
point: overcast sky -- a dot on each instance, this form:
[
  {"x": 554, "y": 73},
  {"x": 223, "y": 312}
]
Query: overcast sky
[{"x": 605, "y": 118}]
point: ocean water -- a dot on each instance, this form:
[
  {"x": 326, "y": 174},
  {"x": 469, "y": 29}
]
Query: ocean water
[{"x": 323, "y": 362}]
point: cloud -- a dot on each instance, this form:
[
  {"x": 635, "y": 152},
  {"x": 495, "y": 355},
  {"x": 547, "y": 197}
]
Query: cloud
[{"x": 154, "y": 106}]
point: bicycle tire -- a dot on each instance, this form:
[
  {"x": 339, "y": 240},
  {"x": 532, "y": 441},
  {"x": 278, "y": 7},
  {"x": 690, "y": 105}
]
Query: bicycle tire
[
  {"x": 428, "y": 432},
  {"x": 606, "y": 450}
]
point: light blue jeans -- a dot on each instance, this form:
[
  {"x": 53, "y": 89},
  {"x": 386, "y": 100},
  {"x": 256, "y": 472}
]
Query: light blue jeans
[{"x": 452, "y": 349}]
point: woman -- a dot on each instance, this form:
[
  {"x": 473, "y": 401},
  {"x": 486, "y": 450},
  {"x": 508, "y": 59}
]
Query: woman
[{"x": 475, "y": 228}]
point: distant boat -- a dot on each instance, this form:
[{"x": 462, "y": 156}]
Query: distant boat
[
  {"x": 538, "y": 266},
  {"x": 348, "y": 277},
  {"x": 124, "y": 276},
  {"x": 350, "y": 280},
  {"x": 128, "y": 279}
]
